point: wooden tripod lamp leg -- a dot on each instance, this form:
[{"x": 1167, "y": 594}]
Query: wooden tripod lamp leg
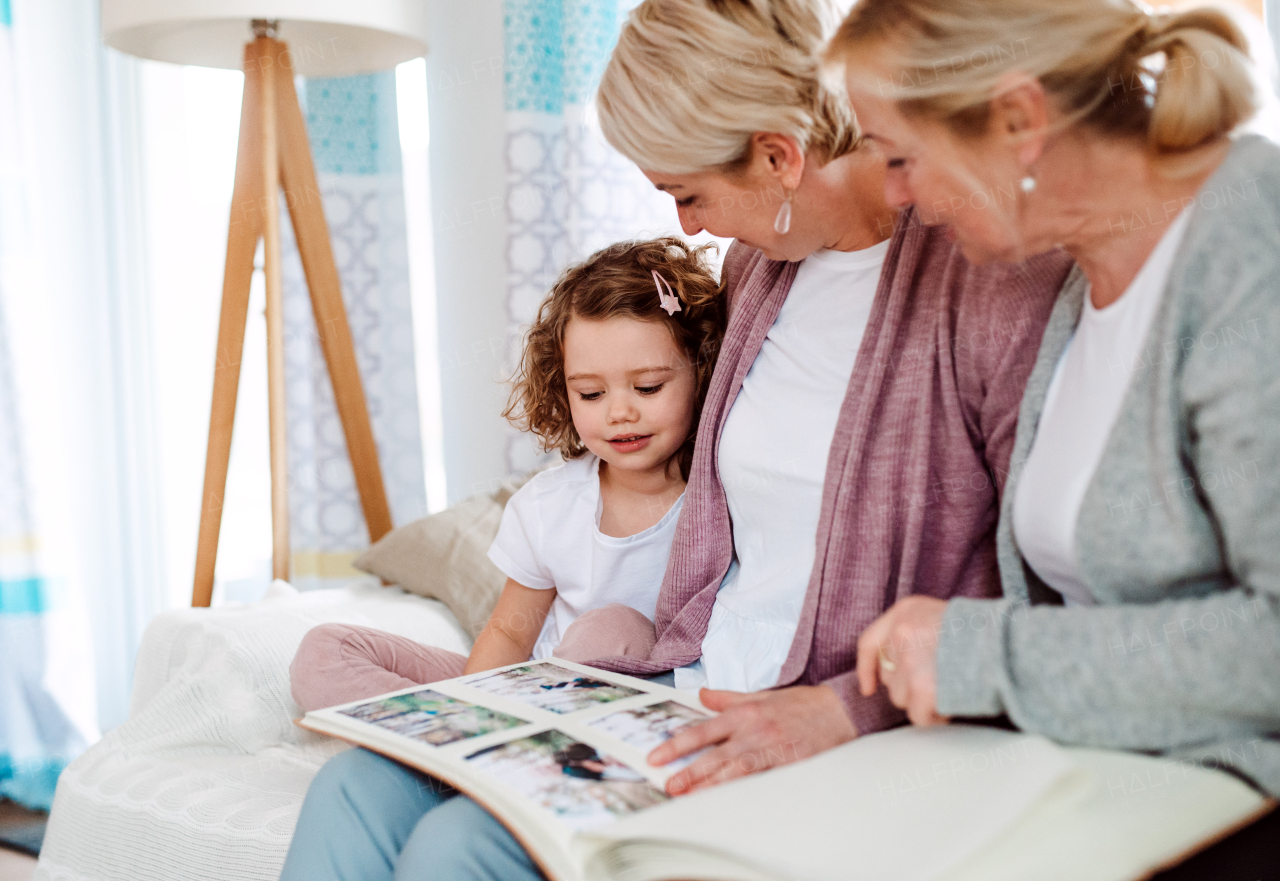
[
  {"x": 277, "y": 414},
  {"x": 242, "y": 241},
  {"x": 302, "y": 192},
  {"x": 273, "y": 150}
]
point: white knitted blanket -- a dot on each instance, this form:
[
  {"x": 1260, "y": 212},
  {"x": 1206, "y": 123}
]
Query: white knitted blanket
[{"x": 205, "y": 779}]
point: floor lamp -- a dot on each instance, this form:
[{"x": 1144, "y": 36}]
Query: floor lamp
[{"x": 271, "y": 41}]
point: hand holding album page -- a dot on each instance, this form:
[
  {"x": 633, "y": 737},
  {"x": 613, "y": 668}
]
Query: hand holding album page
[{"x": 557, "y": 752}]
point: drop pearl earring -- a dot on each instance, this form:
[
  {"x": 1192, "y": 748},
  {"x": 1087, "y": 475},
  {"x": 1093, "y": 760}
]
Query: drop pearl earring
[
  {"x": 782, "y": 223},
  {"x": 1028, "y": 184}
]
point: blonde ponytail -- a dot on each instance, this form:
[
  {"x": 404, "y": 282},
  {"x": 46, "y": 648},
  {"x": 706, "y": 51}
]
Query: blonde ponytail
[
  {"x": 1176, "y": 81},
  {"x": 1205, "y": 89}
]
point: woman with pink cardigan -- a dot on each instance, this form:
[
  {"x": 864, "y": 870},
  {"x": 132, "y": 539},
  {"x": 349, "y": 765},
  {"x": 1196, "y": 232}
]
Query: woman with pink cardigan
[
  {"x": 852, "y": 447},
  {"x": 857, "y": 431}
]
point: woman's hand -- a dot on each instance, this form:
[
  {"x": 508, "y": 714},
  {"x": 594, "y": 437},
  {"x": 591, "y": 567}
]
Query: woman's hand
[
  {"x": 902, "y": 647},
  {"x": 754, "y": 732}
]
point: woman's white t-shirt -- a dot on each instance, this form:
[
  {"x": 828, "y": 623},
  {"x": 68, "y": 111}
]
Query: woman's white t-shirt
[
  {"x": 550, "y": 538},
  {"x": 1080, "y": 408},
  {"x": 773, "y": 465}
]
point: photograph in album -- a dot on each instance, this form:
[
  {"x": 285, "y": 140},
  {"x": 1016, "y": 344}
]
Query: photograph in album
[
  {"x": 550, "y": 687},
  {"x": 647, "y": 728},
  {"x": 432, "y": 717},
  {"x": 578, "y": 783}
]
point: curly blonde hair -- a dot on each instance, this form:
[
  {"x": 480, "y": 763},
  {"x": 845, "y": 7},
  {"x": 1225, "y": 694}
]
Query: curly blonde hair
[{"x": 617, "y": 281}]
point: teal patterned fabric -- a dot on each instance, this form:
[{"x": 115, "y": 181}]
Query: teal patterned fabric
[
  {"x": 23, "y": 596},
  {"x": 354, "y": 133},
  {"x": 352, "y": 124},
  {"x": 568, "y": 192},
  {"x": 30, "y": 783},
  {"x": 556, "y": 51}
]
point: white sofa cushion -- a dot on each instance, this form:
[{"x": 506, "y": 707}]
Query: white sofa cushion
[{"x": 205, "y": 779}]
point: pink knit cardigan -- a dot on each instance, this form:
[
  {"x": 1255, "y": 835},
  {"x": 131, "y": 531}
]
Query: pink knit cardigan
[{"x": 920, "y": 453}]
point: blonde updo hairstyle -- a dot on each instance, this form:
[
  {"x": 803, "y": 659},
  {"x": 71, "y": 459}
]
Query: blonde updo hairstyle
[
  {"x": 690, "y": 81},
  {"x": 1176, "y": 80}
]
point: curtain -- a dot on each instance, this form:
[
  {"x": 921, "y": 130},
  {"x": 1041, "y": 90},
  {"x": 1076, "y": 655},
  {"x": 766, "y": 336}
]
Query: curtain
[
  {"x": 568, "y": 192},
  {"x": 352, "y": 126},
  {"x": 39, "y": 735}
]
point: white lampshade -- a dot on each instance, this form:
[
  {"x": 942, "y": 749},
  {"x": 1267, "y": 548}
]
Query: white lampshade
[{"x": 325, "y": 37}]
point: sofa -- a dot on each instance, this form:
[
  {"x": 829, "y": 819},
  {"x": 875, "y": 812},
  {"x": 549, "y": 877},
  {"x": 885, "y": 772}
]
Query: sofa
[{"x": 206, "y": 777}]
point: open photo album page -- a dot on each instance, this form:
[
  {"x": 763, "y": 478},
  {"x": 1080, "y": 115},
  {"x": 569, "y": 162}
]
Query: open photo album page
[
  {"x": 577, "y": 782},
  {"x": 550, "y": 687},
  {"x": 432, "y": 717},
  {"x": 547, "y": 759}
]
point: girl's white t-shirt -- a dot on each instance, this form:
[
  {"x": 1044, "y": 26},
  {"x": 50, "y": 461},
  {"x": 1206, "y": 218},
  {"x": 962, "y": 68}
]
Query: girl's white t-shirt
[
  {"x": 773, "y": 465},
  {"x": 550, "y": 538},
  {"x": 1080, "y": 408}
]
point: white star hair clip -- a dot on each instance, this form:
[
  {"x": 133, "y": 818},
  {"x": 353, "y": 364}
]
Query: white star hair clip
[{"x": 666, "y": 299}]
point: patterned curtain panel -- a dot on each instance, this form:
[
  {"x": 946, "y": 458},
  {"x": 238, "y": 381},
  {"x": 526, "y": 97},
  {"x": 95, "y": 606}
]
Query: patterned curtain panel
[
  {"x": 37, "y": 734},
  {"x": 355, "y": 141},
  {"x": 568, "y": 192}
]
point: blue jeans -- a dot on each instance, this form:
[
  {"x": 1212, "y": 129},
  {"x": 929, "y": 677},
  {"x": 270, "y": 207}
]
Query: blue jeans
[{"x": 367, "y": 818}]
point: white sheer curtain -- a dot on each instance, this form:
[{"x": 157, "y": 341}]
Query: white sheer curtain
[
  {"x": 44, "y": 720},
  {"x": 81, "y": 349}
]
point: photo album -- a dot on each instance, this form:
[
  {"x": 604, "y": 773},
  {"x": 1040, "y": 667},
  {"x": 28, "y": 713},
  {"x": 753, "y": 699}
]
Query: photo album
[
  {"x": 550, "y": 747},
  {"x": 557, "y": 752}
]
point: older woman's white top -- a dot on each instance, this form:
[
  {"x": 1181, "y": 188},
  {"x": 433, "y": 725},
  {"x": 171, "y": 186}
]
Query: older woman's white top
[
  {"x": 773, "y": 464},
  {"x": 1084, "y": 398}
]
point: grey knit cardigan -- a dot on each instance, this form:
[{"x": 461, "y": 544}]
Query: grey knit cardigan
[{"x": 1179, "y": 533}]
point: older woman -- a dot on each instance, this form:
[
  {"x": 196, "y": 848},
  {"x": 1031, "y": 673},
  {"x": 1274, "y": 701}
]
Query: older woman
[
  {"x": 852, "y": 445},
  {"x": 1140, "y": 533}
]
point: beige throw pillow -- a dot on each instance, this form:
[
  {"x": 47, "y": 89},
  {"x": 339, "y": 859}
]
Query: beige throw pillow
[{"x": 444, "y": 556}]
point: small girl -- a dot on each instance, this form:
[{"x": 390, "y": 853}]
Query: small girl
[{"x": 613, "y": 375}]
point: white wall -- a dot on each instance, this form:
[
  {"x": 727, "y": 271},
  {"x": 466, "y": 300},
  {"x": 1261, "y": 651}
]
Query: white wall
[{"x": 465, "y": 89}]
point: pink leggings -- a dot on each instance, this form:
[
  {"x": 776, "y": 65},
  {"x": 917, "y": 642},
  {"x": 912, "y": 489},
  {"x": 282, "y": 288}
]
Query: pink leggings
[{"x": 339, "y": 663}]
